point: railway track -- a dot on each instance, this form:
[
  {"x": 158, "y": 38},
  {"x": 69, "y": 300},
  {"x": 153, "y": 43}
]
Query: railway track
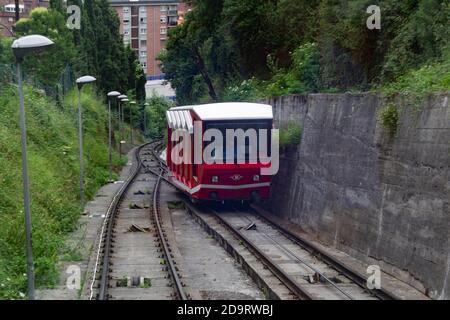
[
  {"x": 316, "y": 274},
  {"x": 134, "y": 259},
  {"x": 302, "y": 270},
  {"x": 305, "y": 270},
  {"x": 361, "y": 280}
]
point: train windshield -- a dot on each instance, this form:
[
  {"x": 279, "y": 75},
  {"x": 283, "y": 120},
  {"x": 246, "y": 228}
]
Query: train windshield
[{"x": 251, "y": 139}]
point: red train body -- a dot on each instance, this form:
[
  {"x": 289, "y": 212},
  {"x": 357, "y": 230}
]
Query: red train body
[{"x": 222, "y": 180}]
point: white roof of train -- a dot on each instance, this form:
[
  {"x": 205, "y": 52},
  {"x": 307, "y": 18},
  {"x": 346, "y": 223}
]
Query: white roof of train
[
  {"x": 180, "y": 117},
  {"x": 230, "y": 111}
]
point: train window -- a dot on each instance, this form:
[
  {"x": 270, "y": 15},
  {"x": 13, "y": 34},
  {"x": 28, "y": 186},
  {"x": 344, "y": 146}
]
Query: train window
[{"x": 244, "y": 125}]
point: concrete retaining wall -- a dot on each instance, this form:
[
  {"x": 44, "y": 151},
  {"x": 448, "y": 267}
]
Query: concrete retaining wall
[{"x": 383, "y": 200}]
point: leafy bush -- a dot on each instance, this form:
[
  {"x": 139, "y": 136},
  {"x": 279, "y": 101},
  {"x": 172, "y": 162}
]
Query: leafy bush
[
  {"x": 156, "y": 119},
  {"x": 389, "y": 118},
  {"x": 432, "y": 77},
  {"x": 302, "y": 77},
  {"x": 246, "y": 91},
  {"x": 290, "y": 135}
]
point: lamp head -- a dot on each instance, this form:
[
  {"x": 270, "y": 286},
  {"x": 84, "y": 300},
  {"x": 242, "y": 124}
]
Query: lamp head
[
  {"x": 113, "y": 94},
  {"x": 28, "y": 44},
  {"x": 125, "y": 100},
  {"x": 83, "y": 80},
  {"x": 122, "y": 97}
]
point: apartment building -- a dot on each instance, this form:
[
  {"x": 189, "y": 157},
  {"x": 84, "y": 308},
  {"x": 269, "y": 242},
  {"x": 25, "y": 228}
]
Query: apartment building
[
  {"x": 145, "y": 24},
  {"x": 8, "y": 13}
]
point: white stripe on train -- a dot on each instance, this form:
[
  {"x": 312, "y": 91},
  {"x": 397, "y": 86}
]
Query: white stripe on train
[{"x": 222, "y": 187}]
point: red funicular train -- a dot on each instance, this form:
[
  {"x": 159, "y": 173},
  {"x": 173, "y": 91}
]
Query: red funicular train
[{"x": 224, "y": 172}]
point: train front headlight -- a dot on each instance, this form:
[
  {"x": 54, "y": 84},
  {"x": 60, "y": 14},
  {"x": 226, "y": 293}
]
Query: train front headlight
[
  {"x": 256, "y": 178},
  {"x": 215, "y": 179}
]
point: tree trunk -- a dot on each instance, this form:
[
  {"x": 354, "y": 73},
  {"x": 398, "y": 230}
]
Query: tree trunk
[
  {"x": 205, "y": 75},
  {"x": 17, "y": 10}
]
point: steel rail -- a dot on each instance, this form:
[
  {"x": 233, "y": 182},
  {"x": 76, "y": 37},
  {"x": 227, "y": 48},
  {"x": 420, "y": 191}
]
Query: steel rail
[
  {"x": 113, "y": 209},
  {"x": 353, "y": 275},
  {"x": 107, "y": 228},
  {"x": 172, "y": 267},
  {"x": 287, "y": 280},
  {"x": 293, "y": 255}
]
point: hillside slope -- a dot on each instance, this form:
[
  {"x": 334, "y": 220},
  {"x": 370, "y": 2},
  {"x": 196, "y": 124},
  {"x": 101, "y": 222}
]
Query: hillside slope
[{"x": 53, "y": 169}]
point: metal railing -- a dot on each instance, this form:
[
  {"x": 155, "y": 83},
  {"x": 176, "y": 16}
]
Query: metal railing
[{"x": 8, "y": 75}]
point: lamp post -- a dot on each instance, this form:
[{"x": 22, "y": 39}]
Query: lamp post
[
  {"x": 80, "y": 82},
  {"x": 121, "y": 97},
  {"x": 112, "y": 94},
  {"x": 145, "y": 118},
  {"x": 132, "y": 103},
  {"x": 21, "y": 47}
]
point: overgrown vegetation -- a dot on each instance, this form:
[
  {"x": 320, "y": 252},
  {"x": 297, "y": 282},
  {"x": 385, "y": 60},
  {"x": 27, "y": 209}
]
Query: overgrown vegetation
[
  {"x": 389, "y": 118},
  {"x": 53, "y": 168},
  {"x": 416, "y": 84},
  {"x": 245, "y": 50},
  {"x": 290, "y": 135},
  {"x": 156, "y": 116}
]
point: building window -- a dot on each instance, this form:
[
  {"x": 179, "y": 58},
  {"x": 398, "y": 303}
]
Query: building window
[
  {"x": 143, "y": 53},
  {"x": 143, "y": 43},
  {"x": 164, "y": 8},
  {"x": 143, "y": 20},
  {"x": 143, "y": 30},
  {"x": 163, "y": 30},
  {"x": 126, "y": 9},
  {"x": 144, "y": 65},
  {"x": 126, "y": 21},
  {"x": 126, "y": 32},
  {"x": 142, "y": 9},
  {"x": 173, "y": 21},
  {"x": 163, "y": 19}
]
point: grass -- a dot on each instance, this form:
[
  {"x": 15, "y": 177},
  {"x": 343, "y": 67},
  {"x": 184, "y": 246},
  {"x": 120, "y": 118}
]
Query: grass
[
  {"x": 290, "y": 135},
  {"x": 53, "y": 171},
  {"x": 175, "y": 205},
  {"x": 389, "y": 117}
]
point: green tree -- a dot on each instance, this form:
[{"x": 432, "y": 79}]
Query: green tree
[
  {"x": 50, "y": 23},
  {"x": 156, "y": 115}
]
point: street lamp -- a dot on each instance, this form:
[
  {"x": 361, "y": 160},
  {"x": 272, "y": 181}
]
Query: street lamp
[
  {"x": 80, "y": 82},
  {"x": 112, "y": 94},
  {"x": 21, "y": 47},
  {"x": 121, "y": 97},
  {"x": 145, "y": 117},
  {"x": 131, "y": 121}
]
